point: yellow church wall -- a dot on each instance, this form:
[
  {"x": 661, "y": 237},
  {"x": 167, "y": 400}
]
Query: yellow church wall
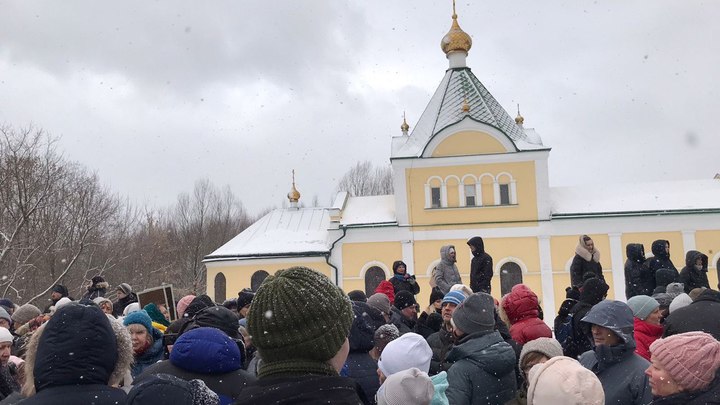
[
  {"x": 238, "y": 275},
  {"x": 357, "y": 255},
  {"x": 469, "y": 143},
  {"x": 522, "y": 172}
]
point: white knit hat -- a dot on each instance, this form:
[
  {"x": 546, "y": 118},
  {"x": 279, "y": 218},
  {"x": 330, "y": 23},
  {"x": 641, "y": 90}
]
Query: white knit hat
[
  {"x": 563, "y": 381},
  {"x": 61, "y": 302},
  {"x": 410, "y": 386},
  {"x": 680, "y": 301},
  {"x": 5, "y": 335},
  {"x": 408, "y": 351}
]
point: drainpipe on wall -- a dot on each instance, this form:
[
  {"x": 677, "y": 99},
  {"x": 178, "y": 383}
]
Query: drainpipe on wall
[{"x": 329, "y": 253}]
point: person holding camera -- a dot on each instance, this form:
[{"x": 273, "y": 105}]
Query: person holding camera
[{"x": 402, "y": 281}]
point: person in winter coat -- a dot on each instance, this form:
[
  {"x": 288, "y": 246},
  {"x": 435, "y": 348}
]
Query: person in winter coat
[
  {"x": 402, "y": 280},
  {"x": 159, "y": 320},
  {"x": 637, "y": 278},
  {"x": 586, "y": 260},
  {"x": 446, "y": 274},
  {"x": 572, "y": 295},
  {"x": 147, "y": 341},
  {"x": 593, "y": 291},
  {"x": 534, "y": 352},
  {"x": 97, "y": 288},
  {"x": 58, "y": 291},
  {"x": 703, "y": 315},
  {"x": 694, "y": 274},
  {"x": 359, "y": 365},
  {"x": 125, "y": 296},
  {"x": 521, "y": 306},
  {"x": 661, "y": 258},
  {"x": 613, "y": 359},
  {"x": 379, "y": 311},
  {"x": 441, "y": 342},
  {"x": 210, "y": 355},
  {"x": 685, "y": 369},
  {"x": 647, "y": 316},
  {"x": 481, "y": 266},
  {"x": 302, "y": 350},
  {"x": 74, "y": 358},
  {"x": 663, "y": 278},
  {"x": 8, "y": 381},
  {"x": 403, "y": 313},
  {"x": 169, "y": 389},
  {"x": 563, "y": 381},
  {"x": 484, "y": 369}
]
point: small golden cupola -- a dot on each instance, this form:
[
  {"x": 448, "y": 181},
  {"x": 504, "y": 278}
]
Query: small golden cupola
[
  {"x": 293, "y": 195},
  {"x": 456, "y": 43},
  {"x": 404, "y": 127},
  {"x": 519, "y": 120}
]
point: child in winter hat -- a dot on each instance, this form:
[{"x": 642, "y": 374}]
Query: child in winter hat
[
  {"x": 563, "y": 381},
  {"x": 298, "y": 321},
  {"x": 411, "y": 386},
  {"x": 690, "y": 359},
  {"x": 408, "y": 351}
]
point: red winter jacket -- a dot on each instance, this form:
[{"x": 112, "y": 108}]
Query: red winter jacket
[
  {"x": 645, "y": 334},
  {"x": 521, "y": 307}
]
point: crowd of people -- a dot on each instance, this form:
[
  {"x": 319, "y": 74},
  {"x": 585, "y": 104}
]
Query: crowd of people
[{"x": 299, "y": 339}]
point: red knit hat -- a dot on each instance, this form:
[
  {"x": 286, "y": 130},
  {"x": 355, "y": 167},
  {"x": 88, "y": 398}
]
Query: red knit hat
[{"x": 691, "y": 359}]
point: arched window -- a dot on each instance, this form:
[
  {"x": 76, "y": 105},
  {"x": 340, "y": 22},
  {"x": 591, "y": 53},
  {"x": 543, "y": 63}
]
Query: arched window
[
  {"x": 510, "y": 276},
  {"x": 373, "y": 276},
  {"x": 220, "y": 287},
  {"x": 257, "y": 278},
  {"x": 435, "y": 193},
  {"x": 505, "y": 189}
]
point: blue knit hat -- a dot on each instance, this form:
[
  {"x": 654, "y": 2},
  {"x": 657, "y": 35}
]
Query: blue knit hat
[
  {"x": 454, "y": 297},
  {"x": 139, "y": 317}
]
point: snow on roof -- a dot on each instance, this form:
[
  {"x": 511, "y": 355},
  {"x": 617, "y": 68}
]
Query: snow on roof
[
  {"x": 635, "y": 197},
  {"x": 446, "y": 107},
  {"x": 375, "y": 209},
  {"x": 282, "y": 231}
]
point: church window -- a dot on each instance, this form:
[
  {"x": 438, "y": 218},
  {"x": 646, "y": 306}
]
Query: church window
[
  {"x": 257, "y": 278},
  {"x": 504, "y": 194},
  {"x": 510, "y": 276},
  {"x": 435, "y": 196},
  {"x": 220, "y": 287},
  {"x": 470, "y": 195},
  {"x": 373, "y": 276}
]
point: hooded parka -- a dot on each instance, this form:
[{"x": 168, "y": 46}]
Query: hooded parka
[
  {"x": 481, "y": 266},
  {"x": 691, "y": 276},
  {"x": 483, "y": 371},
  {"x": 620, "y": 370}
]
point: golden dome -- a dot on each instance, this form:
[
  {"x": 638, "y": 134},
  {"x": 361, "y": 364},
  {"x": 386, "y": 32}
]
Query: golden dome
[
  {"x": 519, "y": 119},
  {"x": 404, "y": 127},
  {"x": 293, "y": 195},
  {"x": 456, "y": 39}
]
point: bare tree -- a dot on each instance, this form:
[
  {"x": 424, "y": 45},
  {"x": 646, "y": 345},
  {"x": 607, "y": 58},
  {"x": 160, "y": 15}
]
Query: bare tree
[{"x": 363, "y": 179}]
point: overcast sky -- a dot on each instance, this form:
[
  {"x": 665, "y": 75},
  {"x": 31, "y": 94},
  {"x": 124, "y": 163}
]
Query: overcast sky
[{"x": 155, "y": 95}]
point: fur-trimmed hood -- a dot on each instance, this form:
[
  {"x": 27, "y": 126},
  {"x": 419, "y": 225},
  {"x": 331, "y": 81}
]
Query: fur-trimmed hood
[{"x": 77, "y": 347}]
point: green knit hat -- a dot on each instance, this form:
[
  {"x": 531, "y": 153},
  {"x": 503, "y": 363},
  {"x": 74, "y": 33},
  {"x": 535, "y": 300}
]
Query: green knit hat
[{"x": 298, "y": 321}]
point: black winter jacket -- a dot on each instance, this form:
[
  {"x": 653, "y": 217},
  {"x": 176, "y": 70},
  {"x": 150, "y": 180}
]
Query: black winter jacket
[
  {"x": 483, "y": 371},
  {"x": 405, "y": 284},
  {"x": 637, "y": 281},
  {"x": 310, "y": 390},
  {"x": 660, "y": 259},
  {"x": 120, "y": 305},
  {"x": 481, "y": 267},
  {"x": 403, "y": 324},
  {"x": 360, "y": 366},
  {"x": 580, "y": 267},
  {"x": 702, "y": 315},
  {"x": 690, "y": 276},
  {"x": 441, "y": 342}
]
